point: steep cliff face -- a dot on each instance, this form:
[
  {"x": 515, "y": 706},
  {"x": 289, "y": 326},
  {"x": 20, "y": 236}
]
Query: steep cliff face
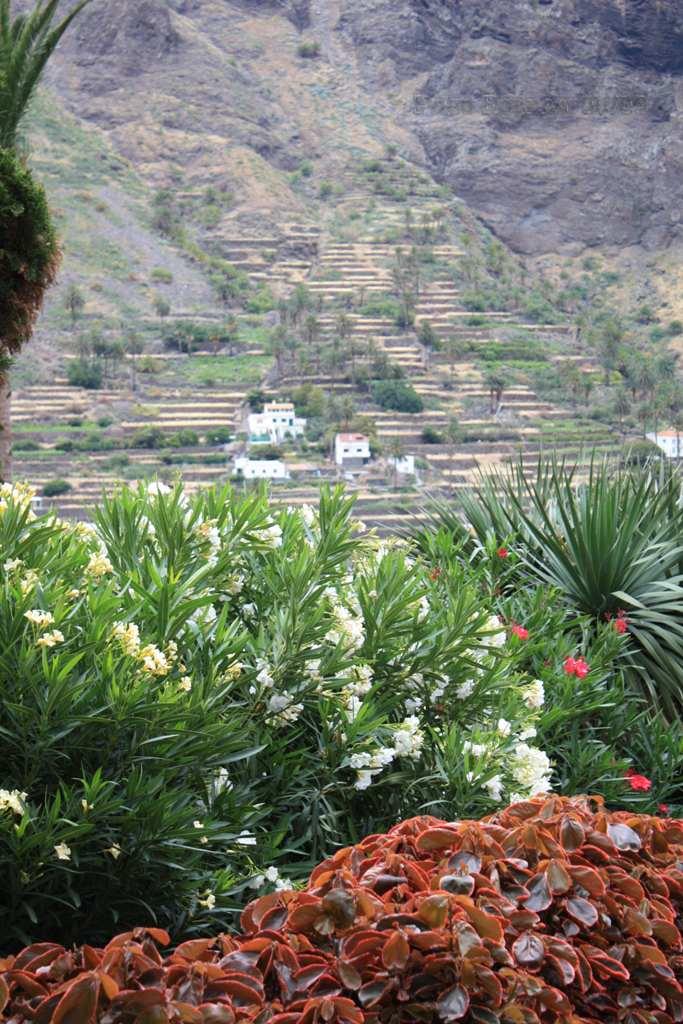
[{"x": 559, "y": 121}]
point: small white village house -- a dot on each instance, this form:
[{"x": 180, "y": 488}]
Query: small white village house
[
  {"x": 277, "y": 422},
  {"x": 668, "y": 441},
  {"x": 260, "y": 469},
  {"x": 404, "y": 465},
  {"x": 351, "y": 451}
]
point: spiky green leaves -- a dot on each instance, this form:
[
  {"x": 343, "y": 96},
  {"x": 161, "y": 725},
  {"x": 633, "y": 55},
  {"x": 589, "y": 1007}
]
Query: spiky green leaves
[{"x": 26, "y": 44}]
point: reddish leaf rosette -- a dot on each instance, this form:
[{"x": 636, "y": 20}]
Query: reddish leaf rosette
[{"x": 553, "y": 910}]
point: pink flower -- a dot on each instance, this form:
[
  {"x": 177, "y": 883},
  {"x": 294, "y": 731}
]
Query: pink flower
[
  {"x": 639, "y": 783},
  {"x": 663, "y": 809},
  {"x": 581, "y": 668},
  {"x": 621, "y": 624},
  {"x": 520, "y": 632},
  {"x": 578, "y": 667},
  {"x": 503, "y": 552}
]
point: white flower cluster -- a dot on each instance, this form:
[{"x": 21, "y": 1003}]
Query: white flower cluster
[
  {"x": 370, "y": 764},
  {"x": 408, "y": 742},
  {"x": 530, "y": 767},
  {"x": 409, "y": 738},
  {"x": 496, "y": 635},
  {"x": 208, "y": 533},
  {"x": 284, "y": 709},
  {"x": 264, "y": 675},
  {"x": 348, "y": 628},
  {"x": 271, "y": 535},
  {"x": 273, "y": 876},
  {"x": 424, "y": 691},
  {"x": 13, "y": 800},
  {"x": 533, "y": 695},
  {"x": 357, "y": 687},
  {"x": 205, "y": 615}
]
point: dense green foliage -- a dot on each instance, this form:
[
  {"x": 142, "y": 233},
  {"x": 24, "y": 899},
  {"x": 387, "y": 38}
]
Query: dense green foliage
[
  {"x": 199, "y": 693},
  {"x": 612, "y": 545},
  {"x": 397, "y": 394},
  {"x": 29, "y": 254}
]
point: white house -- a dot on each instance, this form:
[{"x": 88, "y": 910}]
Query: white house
[
  {"x": 404, "y": 466},
  {"x": 277, "y": 422},
  {"x": 260, "y": 469},
  {"x": 669, "y": 441},
  {"x": 351, "y": 451}
]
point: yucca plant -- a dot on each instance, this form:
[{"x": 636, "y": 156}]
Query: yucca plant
[{"x": 611, "y": 543}]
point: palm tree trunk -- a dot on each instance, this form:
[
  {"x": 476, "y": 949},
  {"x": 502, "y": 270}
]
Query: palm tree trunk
[{"x": 5, "y": 428}]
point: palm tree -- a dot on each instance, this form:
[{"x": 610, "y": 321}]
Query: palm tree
[
  {"x": 29, "y": 254},
  {"x": 396, "y": 452},
  {"x": 26, "y": 44}
]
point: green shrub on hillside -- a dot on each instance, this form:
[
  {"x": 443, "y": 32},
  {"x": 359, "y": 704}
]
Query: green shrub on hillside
[
  {"x": 84, "y": 373},
  {"x": 55, "y": 487},
  {"x": 397, "y": 394},
  {"x": 309, "y": 49},
  {"x": 196, "y": 689}
]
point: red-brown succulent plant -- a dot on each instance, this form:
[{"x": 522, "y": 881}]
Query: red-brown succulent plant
[{"x": 552, "y": 910}]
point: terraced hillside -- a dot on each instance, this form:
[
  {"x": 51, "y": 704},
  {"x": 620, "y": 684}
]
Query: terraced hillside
[{"x": 377, "y": 289}]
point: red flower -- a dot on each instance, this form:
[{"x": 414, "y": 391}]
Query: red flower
[
  {"x": 639, "y": 783},
  {"x": 435, "y": 573},
  {"x": 663, "y": 809},
  {"x": 621, "y": 624},
  {"x": 581, "y": 668},
  {"x": 503, "y": 552},
  {"x": 520, "y": 631},
  {"x": 576, "y": 667}
]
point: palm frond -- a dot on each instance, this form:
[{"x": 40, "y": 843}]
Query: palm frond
[{"x": 27, "y": 42}]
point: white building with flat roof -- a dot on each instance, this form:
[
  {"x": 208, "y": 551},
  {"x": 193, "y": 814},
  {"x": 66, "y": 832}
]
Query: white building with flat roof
[
  {"x": 351, "y": 451},
  {"x": 277, "y": 422},
  {"x": 260, "y": 469},
  {"x": 668, "y": 441}
]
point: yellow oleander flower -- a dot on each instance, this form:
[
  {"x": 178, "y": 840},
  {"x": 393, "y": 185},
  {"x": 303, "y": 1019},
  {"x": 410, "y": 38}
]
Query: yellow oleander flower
[
  {"x": 13, "y": 800},
  {"x": 154, "y": 661},
  {"x": 50, "y": 639},
  {"x": 28, "y": 581},
  {"x": 37, "y": 617},
  {"x": 98, "y": 566},
  {"x": 128, "y": 635}
]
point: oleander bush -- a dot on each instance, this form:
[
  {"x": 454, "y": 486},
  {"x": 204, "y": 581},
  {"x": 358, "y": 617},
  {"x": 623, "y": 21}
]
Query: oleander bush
[
  {"x": 552, "y": 910},
  {"x": 206, "y": 695}
]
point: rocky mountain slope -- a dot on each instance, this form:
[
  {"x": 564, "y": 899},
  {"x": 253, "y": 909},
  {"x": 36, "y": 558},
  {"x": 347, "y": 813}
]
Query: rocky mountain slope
[{"x": 557, "y": 121}]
